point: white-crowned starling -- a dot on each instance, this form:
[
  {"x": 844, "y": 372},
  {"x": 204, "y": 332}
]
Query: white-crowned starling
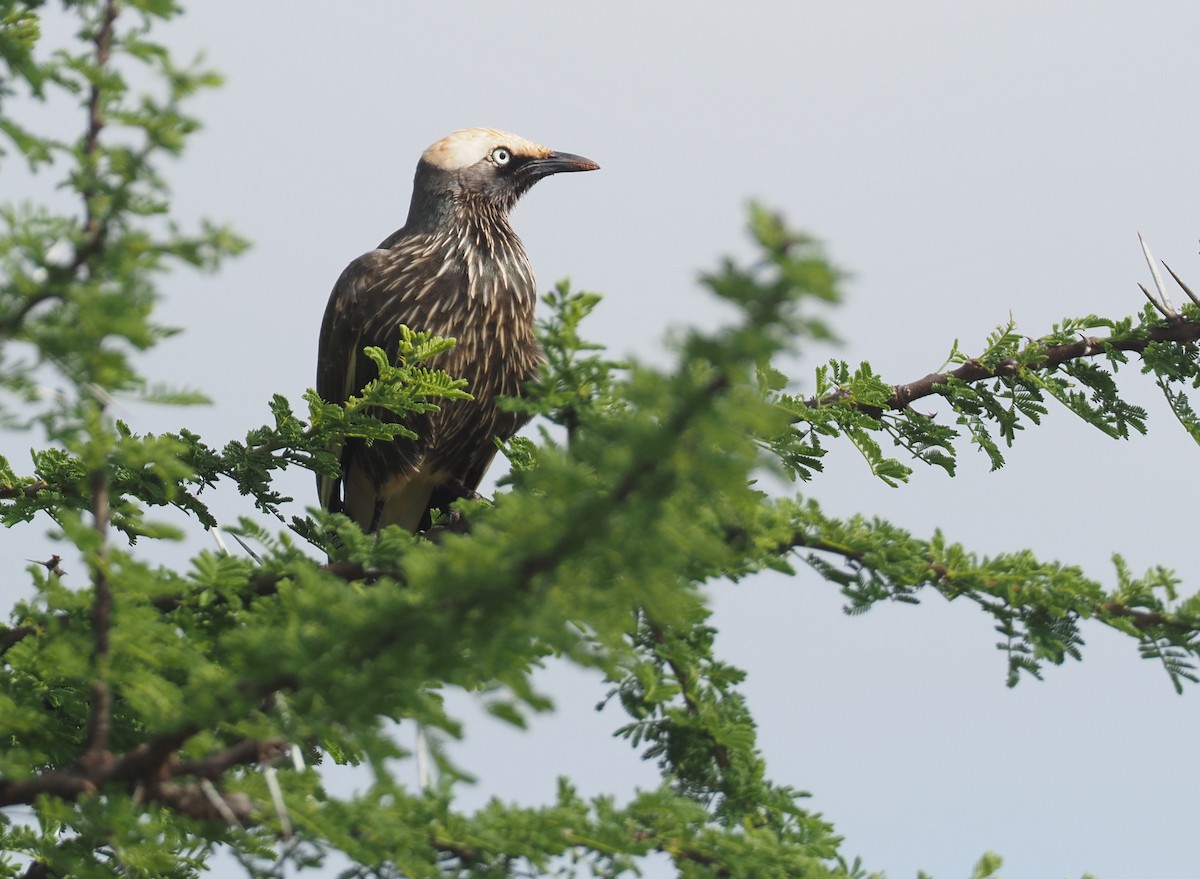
[{"x": 456, "y": 269}]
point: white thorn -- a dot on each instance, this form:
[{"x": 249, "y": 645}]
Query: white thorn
[
  {"x": 216, "y": 535},
  {"x": 218, "y": 803},
  {"x": 1154, "y": 273},
  {"x": 423, "y": 761},
  {"x": 104, "y": 397},
  {"x": 246, "y": 547},
  {"x": 285, "y": 825}
]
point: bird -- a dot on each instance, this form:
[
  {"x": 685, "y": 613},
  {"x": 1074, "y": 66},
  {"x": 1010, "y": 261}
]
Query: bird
[{"x": 455, "y": 269}]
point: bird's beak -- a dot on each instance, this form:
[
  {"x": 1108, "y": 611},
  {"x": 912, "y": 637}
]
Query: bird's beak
[{"x": 556, "y": 163}]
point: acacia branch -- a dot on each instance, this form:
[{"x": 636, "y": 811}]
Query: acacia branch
[
  {"x": 191, "y": 800},
  {"x": 28, "y": 490},
  {"x": 1147, "y": 619},
  {"x": 261, "y": 585},
  {"x": 266, "y": 583},
  {"x": 718, "y": 751},
  {"x": 1179, "y": 330},
  {"x": 36, "y": 870},
  {"x": 143, "y": 764},
  {"x": 150, "y": 770},
  {"x": 245, "y": 752},
  {"x": 17, "y": 634},
  {"x": 630, "y": 481},
  {"x": 92, "y": 226},
  {"x": 943, "y": 579},
  {"x": 100, "y": 714}
]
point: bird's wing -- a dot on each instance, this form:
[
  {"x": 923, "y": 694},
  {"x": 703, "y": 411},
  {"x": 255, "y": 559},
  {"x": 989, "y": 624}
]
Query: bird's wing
[
  {"x": 376, "y": 293},
  {"x": 342, "y": 370},
  {"x": 338, "y": 334}
]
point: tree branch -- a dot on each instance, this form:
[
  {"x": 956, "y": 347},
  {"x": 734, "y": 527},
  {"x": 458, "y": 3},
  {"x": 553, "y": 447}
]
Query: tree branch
[
  {"x": 148, "y": 770},
  {"x": 13, "y": 636},
  {"x": 260, "y": 586},
  {"x": 100, "y": 715},
  {"x": 92, "y": 227},
  {"x": 1180, "y": 330},
  {"x": 28, "y": 490},
  {"x": 191, "y": 800},
  {"x": 219, "y": 762},
  {"x": 718, "y": 751},
  {"x": 36, "y": 870},
  {"x": 942, "y": 578}
]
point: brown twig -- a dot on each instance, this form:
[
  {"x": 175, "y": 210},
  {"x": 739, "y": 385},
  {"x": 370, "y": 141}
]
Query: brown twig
[
  {"x": 261, "y": 586},
  {"x": 718, "y": 751},
  {"x": 1146, "y": 619},
  {"x": 244, "y": 752},
  {"x": 941, "y": 577},
  {"x": 191, "y": 800},
  {"x": 100, "y": 714},
  {"x": 36, "y": 870},
  {"x": 17, "y": 634},
  {"x": 96, "y": 753},
  {"x": 1178, "y": 331},
  {"x": 29, "y": 490},
  {"x": 146, "y": 767},
  {"x": 146, "y": 761},
  {"x": 92, "y": 226}
]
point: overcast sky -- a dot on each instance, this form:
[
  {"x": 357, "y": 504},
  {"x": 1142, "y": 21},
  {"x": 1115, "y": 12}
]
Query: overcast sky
[{"x": 964, "y": 160}]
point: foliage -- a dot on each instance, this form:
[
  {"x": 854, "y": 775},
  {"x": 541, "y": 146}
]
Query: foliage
[{"x": 148, "y": 713}]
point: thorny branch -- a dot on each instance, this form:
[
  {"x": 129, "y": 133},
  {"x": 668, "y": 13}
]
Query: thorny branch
[
  {"x": 27, "y": 490},
  {"x": 36, "y": 870},
  {"x": 94, "y": 228},
  {"x": 632, "y": 480},
  {"x": 718, "y": 751},
  {"x": 943, "y": 579},
  {"x": 260, "y": 585},
  {"x": 93, "y": 225},
  {"x": 468, "y": 857},
  {"x": 1180, "y": 331},
  {"x": 150, "y": 771},
  {"x": 96, "y": 749},
  {"x": 100, "y": 715}
]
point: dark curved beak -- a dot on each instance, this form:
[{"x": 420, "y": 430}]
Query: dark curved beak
[{"x": 557, "y": 163}]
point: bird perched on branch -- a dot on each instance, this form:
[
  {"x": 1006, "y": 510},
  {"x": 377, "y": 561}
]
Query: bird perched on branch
[{"x": 456, "y": 269}]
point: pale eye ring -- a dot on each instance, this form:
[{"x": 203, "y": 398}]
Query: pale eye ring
[{"x": 501, "y": 156}]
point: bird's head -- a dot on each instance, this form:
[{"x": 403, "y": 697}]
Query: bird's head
[{"x": 485, "y": 165}]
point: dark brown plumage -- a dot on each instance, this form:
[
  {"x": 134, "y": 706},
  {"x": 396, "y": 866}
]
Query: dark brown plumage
[{"x": 456, "y": 269}]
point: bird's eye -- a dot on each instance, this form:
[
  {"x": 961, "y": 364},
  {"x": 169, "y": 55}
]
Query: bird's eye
[{"x": 501, "y": 156}]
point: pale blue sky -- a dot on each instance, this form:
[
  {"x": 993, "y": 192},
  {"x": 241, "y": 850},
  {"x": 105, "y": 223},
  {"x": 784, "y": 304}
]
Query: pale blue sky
[{"x": 963, "y": 160}]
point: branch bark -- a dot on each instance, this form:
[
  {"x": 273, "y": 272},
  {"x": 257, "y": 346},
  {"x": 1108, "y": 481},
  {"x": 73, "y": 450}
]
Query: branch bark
[
  {"x": 718, "y": 751},
  {"x": 941, "y": 578},
  {"x": 1180, "y": 330},
  {"x": 93, "y": 228},
  {"x": 259, "y": 586},
  {"x": 99, "y": 717},
  {"x": 150, "y": 770}
]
